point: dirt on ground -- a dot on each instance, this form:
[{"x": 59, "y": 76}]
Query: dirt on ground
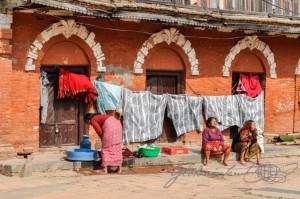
[
  {"x": 136, "y": 170},
  {"x": 278, "y": 179}
]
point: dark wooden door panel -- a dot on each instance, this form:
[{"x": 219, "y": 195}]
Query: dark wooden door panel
[
  {"x": 63, "y": 121},
  {"x": 167, "y": 85},
  {"x": 152, "y": 84},
  {"x": 47, "y": 135},
  {"x": 168, "y": 131},
  {"x": 68, "y": 133},
  {"x": 161, "y": 84},
  {"x": 66, "y": 111},
  {"x": 50, "y": 111}
]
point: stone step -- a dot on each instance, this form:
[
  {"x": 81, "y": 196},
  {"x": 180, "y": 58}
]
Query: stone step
[{"x": 51, "y": 162}]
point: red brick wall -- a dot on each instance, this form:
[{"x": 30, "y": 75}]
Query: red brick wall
[
  {"x": 297, "y": 105},
  {"x": 5, "y": 45},
  {"x": 120, "y": 49},
  {"x": 5, "y": 85},
  {"x": 162, "y": 57},
  {"x": 65, "y": 53},
  {"x": 5, "y": 100},
  {"x": 248, "y": 61}
]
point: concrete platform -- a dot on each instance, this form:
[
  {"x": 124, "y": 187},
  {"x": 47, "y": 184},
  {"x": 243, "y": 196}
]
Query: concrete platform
[{"x": 51, "y": 162}]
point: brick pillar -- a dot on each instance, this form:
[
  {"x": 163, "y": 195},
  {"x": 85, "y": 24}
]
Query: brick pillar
[
  {"x": 297, "y": 105},
  {"x": 6, "y": 150}
]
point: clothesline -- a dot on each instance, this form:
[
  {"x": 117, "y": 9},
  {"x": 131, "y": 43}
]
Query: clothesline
[{"x": 143, "y": 112}]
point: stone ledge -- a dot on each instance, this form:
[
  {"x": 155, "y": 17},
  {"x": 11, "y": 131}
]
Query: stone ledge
[
  {"x": 52, "y": 162},
  {"x": 7, "y": 152}
]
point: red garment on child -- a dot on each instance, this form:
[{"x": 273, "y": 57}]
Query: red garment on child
[
  {"x": 74, "y": 85},
  {"x": 249, "y": 85}
]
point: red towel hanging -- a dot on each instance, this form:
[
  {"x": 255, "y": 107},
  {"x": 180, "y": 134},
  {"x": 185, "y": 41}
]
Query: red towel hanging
[
  {"x": 249, "y": 85},
  {"x": 74, "y": 85}
]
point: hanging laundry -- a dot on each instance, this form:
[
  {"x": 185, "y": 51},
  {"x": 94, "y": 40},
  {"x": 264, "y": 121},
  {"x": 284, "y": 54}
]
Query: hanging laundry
[
  {"x": 249, "y": 85},
  {"x": 260, "y": 140},
  {"x": 234, "y": 110},
  {"x": 224, "y": 108},
  {"x": 109, "y": 96},
  {"x": 143, "y": 115},
  {"x": 251, "y": 109},
  {"x": 44, "y": 97},
  {"x": 185, "y": 112},
  {"x": 74, "y": 85},
  {"x": 240, "y": 87}
]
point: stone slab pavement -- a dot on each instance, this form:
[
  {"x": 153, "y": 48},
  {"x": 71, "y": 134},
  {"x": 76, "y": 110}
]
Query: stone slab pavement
[
  {"x": 279, "y": 178},
  {"x": 53, "y": 162}
]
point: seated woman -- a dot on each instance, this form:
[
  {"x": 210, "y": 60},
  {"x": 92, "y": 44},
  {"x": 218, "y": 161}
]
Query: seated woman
[
  {"x": 247, "y": 143},
  {"x": 213, "y": 141}
]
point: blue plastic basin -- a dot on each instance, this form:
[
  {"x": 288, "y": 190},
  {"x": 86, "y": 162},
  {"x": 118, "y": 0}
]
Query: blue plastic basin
[{"x": 81, "y": 154}]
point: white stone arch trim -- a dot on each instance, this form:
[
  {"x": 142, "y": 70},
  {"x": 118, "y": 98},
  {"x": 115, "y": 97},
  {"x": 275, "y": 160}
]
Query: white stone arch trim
[
  {"x": 297, "y": 72},
  {"x": 66, "y": 28},
  {"x": 251, "y": 42},
  {"x": 169, "y": 36}
]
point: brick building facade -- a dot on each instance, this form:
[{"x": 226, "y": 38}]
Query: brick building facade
[{"x": 125, "y": 48}]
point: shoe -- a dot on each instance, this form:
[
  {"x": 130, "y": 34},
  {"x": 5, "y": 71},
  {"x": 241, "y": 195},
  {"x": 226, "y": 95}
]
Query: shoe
[
  {"x": 127, "y": 153},
  {"x": 119, "y": 173},
  {"x": 163, "y": 171},
  {"x": 99, "y": 172},
  {"x": 225, "y": 164},
  {"x": 259, "y": 163},
  {"x": 243, "y": 163}
]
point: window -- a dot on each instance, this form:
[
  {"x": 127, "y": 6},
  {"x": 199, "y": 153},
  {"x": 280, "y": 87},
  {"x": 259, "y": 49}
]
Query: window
[
  {"x": 214, "y": 3},
  {"x": 236, "y": 78},
  {"x": 295, "y": 8},
  {"x": 286, "y": 7}
]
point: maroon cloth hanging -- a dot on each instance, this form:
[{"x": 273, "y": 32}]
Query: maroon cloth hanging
[
  {"x": 249, "y": 85},
  {"x": 74, "y": 85}
]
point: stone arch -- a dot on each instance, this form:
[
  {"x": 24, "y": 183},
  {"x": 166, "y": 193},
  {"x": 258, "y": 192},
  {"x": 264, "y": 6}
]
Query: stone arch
[
  {"x": 297, "y": 72},
  {"x": 169, "y": 36},
  {"x": 66, "y": 28},
  {"x": 251, "y": 42}
]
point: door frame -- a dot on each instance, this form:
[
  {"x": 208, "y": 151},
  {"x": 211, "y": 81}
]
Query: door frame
[
  {"x": 179, "y": 74},
  {"x": 83, "y": 107}
]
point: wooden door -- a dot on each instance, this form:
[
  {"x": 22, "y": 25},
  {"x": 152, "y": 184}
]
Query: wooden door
[
  {"x": 63, "y": 124},
  {"x": 161, "y": 83}
]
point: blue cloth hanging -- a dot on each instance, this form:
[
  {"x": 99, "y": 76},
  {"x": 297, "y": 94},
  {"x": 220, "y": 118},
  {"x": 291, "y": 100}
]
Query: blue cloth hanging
[{"x": 109, "y": 96}]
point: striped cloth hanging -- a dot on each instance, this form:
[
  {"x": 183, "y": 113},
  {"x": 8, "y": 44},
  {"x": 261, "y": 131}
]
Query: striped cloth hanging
[
  {"x": 185, "y": 112},
  {"x": 234, "y": 110},
  {"x": 143, "y": 115}
]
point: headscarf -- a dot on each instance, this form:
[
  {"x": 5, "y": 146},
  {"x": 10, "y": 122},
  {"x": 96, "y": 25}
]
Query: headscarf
[{"x": 246, "y": 133}]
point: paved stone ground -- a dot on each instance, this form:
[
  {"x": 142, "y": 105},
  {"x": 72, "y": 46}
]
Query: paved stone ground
[
  {"x": 42, "y": 162},
  {"x": 280, "y": 179}
]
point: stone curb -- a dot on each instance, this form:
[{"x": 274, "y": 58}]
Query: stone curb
[{"x": 15, "y": 166}]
